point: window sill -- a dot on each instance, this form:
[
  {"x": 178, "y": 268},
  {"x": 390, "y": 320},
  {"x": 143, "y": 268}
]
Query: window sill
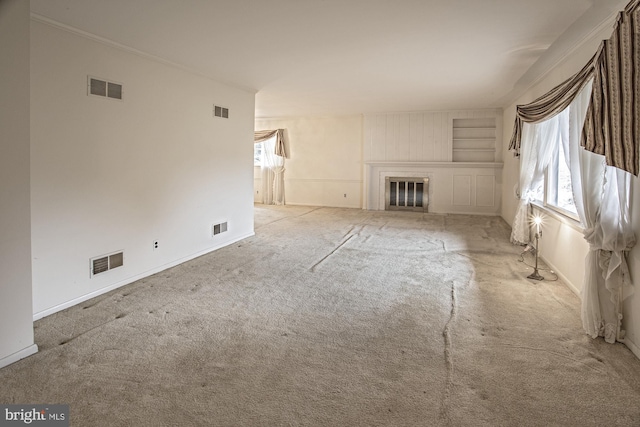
[{"x": 558, "y": 216}]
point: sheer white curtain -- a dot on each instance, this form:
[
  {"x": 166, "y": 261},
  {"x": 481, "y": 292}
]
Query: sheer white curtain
[
  {"x": 272, "y": 168},
  {"x": 537, "y": 147},
  {"x": 601, "y": 195}
]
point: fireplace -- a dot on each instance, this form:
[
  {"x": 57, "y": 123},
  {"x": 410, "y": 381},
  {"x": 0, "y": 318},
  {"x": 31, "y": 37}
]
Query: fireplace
[{"x": 406, "y": 194}]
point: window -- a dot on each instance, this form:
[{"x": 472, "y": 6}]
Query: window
[
  {"x": 556, "y": 192},
  {"x": 257, "y": 154},
  {"x": 559, "y": 194}
]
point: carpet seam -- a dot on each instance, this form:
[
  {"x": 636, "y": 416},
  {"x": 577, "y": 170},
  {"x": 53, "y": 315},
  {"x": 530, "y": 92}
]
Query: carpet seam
[{"x": 448, "y": 358}]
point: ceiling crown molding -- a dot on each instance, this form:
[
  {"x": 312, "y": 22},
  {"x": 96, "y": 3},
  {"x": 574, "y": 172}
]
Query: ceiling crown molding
[{"x": 98, "y": 39}]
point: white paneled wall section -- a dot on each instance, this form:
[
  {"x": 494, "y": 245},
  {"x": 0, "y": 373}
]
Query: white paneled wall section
[
  {"x": 408, "y": 137},
  {"x": 424, "y": 144}
]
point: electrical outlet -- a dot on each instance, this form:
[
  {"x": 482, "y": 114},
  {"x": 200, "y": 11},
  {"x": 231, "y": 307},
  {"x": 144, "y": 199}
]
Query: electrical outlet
[
  {"x": 345, "y": 194},
  {"x": 155, "y": 245}
]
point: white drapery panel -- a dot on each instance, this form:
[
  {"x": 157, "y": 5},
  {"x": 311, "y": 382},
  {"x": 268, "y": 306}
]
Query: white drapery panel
[
  {"x": 272, "y": 165},
  {"x": 538, "y": 143},
  {"x": 601, "y": 195},
  {"x": 610, "y": 237},
  {"x": 272, "y": 168}
]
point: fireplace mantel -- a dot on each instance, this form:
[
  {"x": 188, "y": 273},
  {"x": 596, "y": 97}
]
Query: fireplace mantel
[{"x": 450, "y": 165}]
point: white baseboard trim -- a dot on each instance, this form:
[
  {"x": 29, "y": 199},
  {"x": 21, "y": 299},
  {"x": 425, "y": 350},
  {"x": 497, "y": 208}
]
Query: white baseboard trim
[
  {"x": 322, "y": 206},
  {"x": 351, "y": 181},
  {"x": 78, "y": 300},
  {"x": 631, "y": 346},
  {"x": 471, "y": 213},
  {"x": 18, "y": 355},
  {"x": 304, "y": 204},
  {"x": 564, "y": 279}
]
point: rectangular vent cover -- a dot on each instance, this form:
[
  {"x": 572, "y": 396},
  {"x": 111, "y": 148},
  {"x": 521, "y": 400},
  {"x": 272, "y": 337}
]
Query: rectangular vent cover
[
  {"x": 106, "y": 263},
  {"x": 410, "y": 194},
  {"x": 219, "y": 228},
  {"x": 104, "y": 88},
  {"x": 219, "y": 111}
]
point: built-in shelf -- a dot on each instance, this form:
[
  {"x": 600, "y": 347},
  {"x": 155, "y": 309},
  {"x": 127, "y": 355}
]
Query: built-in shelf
[{"x": 474, "y": 140}]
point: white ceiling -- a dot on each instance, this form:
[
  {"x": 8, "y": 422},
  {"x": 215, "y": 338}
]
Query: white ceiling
[{"x": 315, "y": 57}]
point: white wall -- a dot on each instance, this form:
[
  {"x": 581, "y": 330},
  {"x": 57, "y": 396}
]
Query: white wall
[
  {"x": 562, "y": 244},
  {"x": 631, "y": 308},
  {"x": 324, "y": 164},
  {"x": 112, "y": 175},
  {"x": 563, "y": 247},
  {"x": 16, "y": 321}
]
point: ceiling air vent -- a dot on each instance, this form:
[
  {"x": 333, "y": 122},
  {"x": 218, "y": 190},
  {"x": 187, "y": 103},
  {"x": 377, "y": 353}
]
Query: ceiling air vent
[
  {"x": 219, "y": 111},
  {"x": 106, "y": 262},
  {"x": 104, "y": 88}
]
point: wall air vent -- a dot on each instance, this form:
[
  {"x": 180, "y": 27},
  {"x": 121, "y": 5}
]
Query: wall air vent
[
  {"x": 219, "y": 111},
  {"x": 219, "y": 228},
  {"x": 104, "y": 88},
  {"x": 106, "y": 262}
]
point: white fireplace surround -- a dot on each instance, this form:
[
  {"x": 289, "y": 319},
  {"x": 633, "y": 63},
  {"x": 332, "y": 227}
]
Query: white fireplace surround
[{"x": 454, "y": 187}]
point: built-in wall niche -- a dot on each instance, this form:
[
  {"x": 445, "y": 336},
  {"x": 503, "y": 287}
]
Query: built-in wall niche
[{"x": 474, "y": 140}]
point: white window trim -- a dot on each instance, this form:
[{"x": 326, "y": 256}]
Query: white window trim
[{"x": 561, "y": 215}]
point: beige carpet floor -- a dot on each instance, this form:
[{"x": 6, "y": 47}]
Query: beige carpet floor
[{"x": 335, "y": 317}]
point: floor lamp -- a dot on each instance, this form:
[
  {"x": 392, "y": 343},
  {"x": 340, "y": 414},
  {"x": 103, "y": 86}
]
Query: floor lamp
[{"x": 536, "y": 275}]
